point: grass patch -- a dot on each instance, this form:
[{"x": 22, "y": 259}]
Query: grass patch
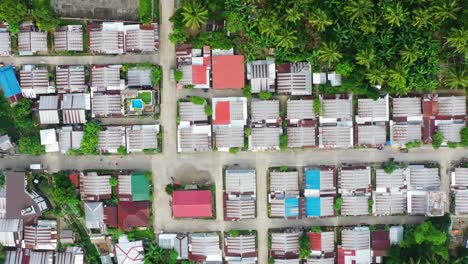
[
  {"x": 145, "y": 97},
  {"x": 148, "y": 11}
]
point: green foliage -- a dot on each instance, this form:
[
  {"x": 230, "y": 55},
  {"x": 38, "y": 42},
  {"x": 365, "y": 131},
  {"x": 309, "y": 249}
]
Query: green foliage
[
  {"x": 437, "y": 140},
  {"x": 44, "y": 15},
  {"x": 169, "y": 189},
  {"x": 194, "y": 14},
  {"x": 329, "y": 53},
  {"x": 64, "y": 194},
  {"x": 451, "y": 144},
  {"x": 145, "y": 11},
  {"x": 271, "y": 260},
  {"x": 156, "y": 75},
  {"x": 304, "y": 246},
  {"x": 390, "y": 167},
  {"x": 265, "y": 95},
  {"x": 155, "y": 254},
  {"x": 458, "y": 40},
  {"x": 283, "y": 142},
  {"x": 234, "y": 233},
  {"x": 464, "y": 137},
  {"x": 337, "y": 205},
  {"x": 122, "y": 150},
  {"x": 197, "y": 100},
  {"x": 247, "y": 91},
  {"x": 345, "y": 68},
  {"x": 316, "y": 229},
  {"x": 31, "y": 145},
  {"x": 113, "y": 181},
  {"x": 370, "y": 204},
  {"x": 208, "y": 110},
  {"x": 90, "y": 138},
  {"x": 284, "y": 168},
  {"x": 178, "y": 75},
  {"x": 413, "y": 144},
  {"x": 234, "y": 150},
  {"x": 13, "y": 12},
  {"x": 2, "y": 179},
  {"x": 116, "y": 233},
  {"x": 247, "y": 131},
  {"x": 318, "y": 110},
  {"x": 455, "y": 78}
]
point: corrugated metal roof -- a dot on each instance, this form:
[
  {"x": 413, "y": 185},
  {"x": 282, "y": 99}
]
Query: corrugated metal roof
[
  {"x": 353, "y": 179},
  {"x": 139, "y": 77},
  {"x": 241, "y": 245},
  {"x": 240, "y": 209},
  {"x": 407, "y": 107},
  {"x": 300, "y": 109},
  {"x": 337, "y": 108},
  {"x": 69, "y": 38},
  {"x": 111, "y": 139},
  {"x": 284, "y": 181},
  {"x": 264, "y": 110},
  {"x": 451, "y": 131},
  {"x": 299, "y": 137},
  {"x": 452, "y": 106},
  {"x": 265, "y": 137},
  {"x": 336, "y": 136},
  {"x": 355, "y": 205},
  {"x": 141, "y": 40},
  {"x": 356, "y": 238},
  {"x": 70, "y": 79},
  {"x": 461, "y": 177},
  {"x": 229, "y": 137},
  {"x": 372, "y": 135},
  {"x": 189, "y": 111},
  {"x": 240, "y": 181},
  {"x": 296, "y": 81},
  {"x": 286, "y": 242},
  {"x": 192, "y": 141},
  {"x": 424, "y": 178},
  {"x": 106, "y": 105},
  {"x": 390, "y": 203},
  {"x": 403, "y": 133},
  {"x": 5, "y": 44}
]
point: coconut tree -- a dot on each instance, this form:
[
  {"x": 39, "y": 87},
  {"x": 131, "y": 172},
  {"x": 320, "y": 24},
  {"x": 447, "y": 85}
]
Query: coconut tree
[
  {"x": 421, "y": 18},
  {"x": 410, "y": 54},
  {"x": 368, "y": 25},
  {"x": 293, "y": 14},
  {"x": 194, "y": 14},
  {"x": 447, "y": 10},
  {"x": 395, "y": 15},
  {"x": 329, "y": 53},
  {"x": 458, "y": 39},
  {"x": 319, "y": 20},
  {"x": 268, "y": 26},
  {"x": 287, "y": 39},
  {"x": 358, "y": 9},
  {"x": 377, "y": 75},
  {"x": 455, "y": 79},
  {"x": 365, "y": 57}
]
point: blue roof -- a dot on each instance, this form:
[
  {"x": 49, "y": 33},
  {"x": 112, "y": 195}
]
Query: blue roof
[
  {"x": 313, "y": 206},
  {"x": 291, "y": 207},
  {"x": 8, "y": 81},
  {"x": 312, "y": 179}
]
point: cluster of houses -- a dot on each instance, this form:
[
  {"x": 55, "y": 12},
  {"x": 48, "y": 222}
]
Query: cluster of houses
[
  {"x": 104, "y": 38},
  {"x": 335, "y": 126},
  {"x": 325, "y": 191},
  {"x": 459, "y": 187},
  {"x": 27, "y": 238},
  {"x": 236, "y": 247},
  {"x": 358, "y": 245}
]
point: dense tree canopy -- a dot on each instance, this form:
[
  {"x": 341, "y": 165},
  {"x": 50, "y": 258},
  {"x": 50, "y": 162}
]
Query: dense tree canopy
[
  {"x": 13, "y": 12},
  {"x": 90, "y": 138}
]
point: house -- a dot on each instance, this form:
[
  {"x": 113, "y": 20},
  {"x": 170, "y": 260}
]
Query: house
[
  {"x": 403, "y": 133},
  {"x": 336, "y": 136},
  {"x": 94, "y": 215},
  {"x": 371, "y": 135},
  {"x": 422, "y": 177},
  {"x": 205, "y": 247},
  {"x": 134, "y": 187},
  {"x": 301, "y": 124},
  {"x": 297, "y": 110},
  {"x": 355, "y": 205},
  {"x": 69, "y": 139},
  {"x": 74, "y": 107},
  {"x": 31, "y": 40},
  {"x": 450, "y": 130},
  {"x": 111, "y": 139},
  {"x": 294, "y": 78},
  {"x": 406, "y": 125},
  {"x": 127, "y": 252},
  {"x": 336, "y": 130},
  {"x": 49, "y": 140},
  {"x": 240, "y": 194},
  {"x": 262, "y": 75},
  {"x": 193, "y": 138},
  {"x": 193, "y": 113},
  {"x": 228, "y": 71},
  {"x": 48, "y": 109},
  {"x": 240, "y": 249},
  {"x": 355, "y": 246},
  {"x": 141, "y": 137},
  {"x": 192, "y": 204},
  {"x": 334, "y": 78},
  {"x": 459, "y": 185},
  {"x": 229, "y": 118},
  {"x": 28, "y": 256},
  {"x": 266, "y": 125},
  {"x": 336, "y": 108},
  {"x": 5, "y": 43},
  {"x": 69, "y": 38},
  {"x": 5, "y": 143},
  {"x": 320, "y": 191},
  {"x": 66, "y": 236},
  {"x": 11, "y": 232},
  {"x": 133, "y": 215},
  {"x": 390, "y": 195},
  {"x": 71, "y": 255},
  {"x": 322, "y": 247},
  {"x": 34, "y": 81},
  {"x": 41, "y": 236},
  {"x": 423, "y": 196},
  {"x": 177, "y": 242},
  {"x": 382, "y": 240},
  {"x": 195, "y": 67},
  {"x": 106, "y": 38},
  {"x": 139, "y": 77},
  {"x": 106, "y": 105},
  {"x": 285, "y": 244},
  {"x": 265, "y": 111},
  {"x": 94, "y": 187},
  {"x": 284, "y": 194},
  {"x": 9, "y": 84},
  {"x": 140, "y": 38},
  {"x": 106, "y": 78},
  {"x": 370, "y": 110},
  {"x": 70, "y": 79},
  {"x": 352, "y": 179}
]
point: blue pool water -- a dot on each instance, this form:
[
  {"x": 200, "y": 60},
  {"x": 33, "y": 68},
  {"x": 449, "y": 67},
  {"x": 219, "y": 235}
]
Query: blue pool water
[{"x": 137, "y": 103}]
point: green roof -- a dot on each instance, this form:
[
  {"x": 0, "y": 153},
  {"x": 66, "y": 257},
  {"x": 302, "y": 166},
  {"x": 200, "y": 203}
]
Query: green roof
[{"x": 140, "y": 187}]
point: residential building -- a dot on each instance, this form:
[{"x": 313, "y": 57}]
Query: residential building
[
  {"x": 336, "y": 136},
  {"x": 69, "y": 139},
  {"x": 31, "y": 40},
  {"x": 192, "y": 204},
  {"x": 229, "y": 119},
  {"x": 41, "y": 236},
  {"x": 265, "y": 125},
  {"x": 69, "y": 38},
  {"x": 49, "y": 140},
  {"x": 70, "y": 79},
  {"x": 194, "y": 138},
  {"x": 370, "y": 110},
  {"x": 94, "y": 215},
  {"x": 355, "y": 246},
  {"x": 34, "y": 81},
  {"x": 71, "y": 255},
  {"x": 406, "y": 125},
  {"x": 192, "y": 113},
  {"x": 127, "y": 252},
  {"x": 94, "y": 187},
  {"x": 107, "y": 105},
  {"x": 239, "y": 196},
  {"x": 322, "y": 246},
  {"x": 106, "y": 78},
  {"x": 301, "y": 123},
  {"x": 320, "y": 191},
  {"x": 205, "y": 247},
  {"x": 141, "y": 137},
  {"x": 336, "y": 126},
  {"x": 319, "y": 78},
  {"x": 334, "y": 78},
  {"x": 74, "y": 108},
  {"x": 294, "y": 78},
  {"x": 133, "y": 215},
  {"x": 11, "y": 232},
  {"x": 228, "y": 71},
  {"x": 134, "y": 187},
  {"x": 5, "y": 42},
  {"x": 106, "y": 38},
  {"x": 177, "y": 242},
  {"x": 262, "y": 75},
  {"x": 390, "y": 195},
  {"x": 354, "y": 186},
  {"x": 140, "y": 38},
  {"x": 5, "y": 143},
  {"x": 371, "y": 135},
  {"x": 284, "y": 194},
  {"x": 459, "y": 186},
  {"x": 336, "y": 108},
  {"x": 49, "y": 109},
  {"x": 9, "y": 84},
  {"x": 285, "y": 245},
  {"x": 139, "y": 77},
  {"x": 240, "y": 249},
  {"x": 28, "y": 256},
  {"x": 195, "y": 66},
  {"x": 424, "y": 196},
  {"x": 111, "y": 139}
]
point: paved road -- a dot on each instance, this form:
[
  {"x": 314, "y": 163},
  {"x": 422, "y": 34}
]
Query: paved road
[{"x": 81, "y": 60}]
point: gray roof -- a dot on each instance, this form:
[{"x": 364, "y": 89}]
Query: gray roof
[
  {"x": 452, "y": 106},
  {"x": 139, "y": 77},
  {"x": 300, "y": 109},
  {"x": 240, "y": 181},
  {"x": 189, "y": 111},
  {"x": 284, "y": 181},
  {"x": 103, "y": 77},
  {"x": 142, "y": 40},
  {"x": 48, "y": 113},
  {"x": 451, "y": 131},
  {"x": 94, "y": 187},
  {"x": 337, "y": 108},
  {"x": 297, "y": 81},
  {"x": 111, "y": 139},
  {"x": 264, "y": 109},
  {"x": 424, "y": 178},
  {"x": 240, "y": 245},
  {"x": 355, "y": 205},
  {"x": 327, "y": 241},
  {"x": 261, "y": 74},
  {"x": 372, "y": 135},
  {"x": 461, "y": 202},
  {"x": 5, "y": 43},
  {"x": 461, "y": 177},
  {"x": 352, "y": 179},
  {"x": 204, "y": 244},
  {"x": 94, "y": 214},
  {"x": 390, "y": 203},
  {"x": 32, "y": 42},
  {"x": 142, "y": 137},
  {"x": 265, "y": 137},
  {"x": 5, "y": 143},
  {"x": 109, "y": 42},
  {"x": 373, "y": 108},
  {"x": 285, "y": 242},
  {"x": 403, "y": 133},
  {"x": 70, "y": 78},
  {"x": 336, "y": 136},
  {"x": 329, "y": 260},
  {"x": 69, "y": 38},
  {"x": 193, "y": 142},
  {"x": 74, "y": 108},
  {"x": 106, "y": 105},
  {"x": 418, "y": 203},
  {"x": 394, "y": 180},
  {"x": 48, "y": 102},
  {"x": 407, "y": 107},
  {"x": 229, "y": 137},
  {"x": 299, "y": 137},
  {"x": 240, "y": 209},
  {"x": 35, "y": 79},
  {"x": 356, "y": 238},
  {"x": 287, "y": 261},
  {"x": 69, "y": 139}
]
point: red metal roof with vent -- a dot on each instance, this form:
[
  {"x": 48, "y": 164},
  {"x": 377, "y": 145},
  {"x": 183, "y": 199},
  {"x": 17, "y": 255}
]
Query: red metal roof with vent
[
  {"x": 315, "y": 241},
  {"x": 228, "y": 72},
  {"x": 222, "y": 113},
  {"x": 191, "y": 204},
  {"x": 133, "y": 214},
  {"x": 380, "y": 242},
  {"x": 110, "y": 216},
  {"x": 75, "y": 179},
  {"x": 199, "y": 74}
]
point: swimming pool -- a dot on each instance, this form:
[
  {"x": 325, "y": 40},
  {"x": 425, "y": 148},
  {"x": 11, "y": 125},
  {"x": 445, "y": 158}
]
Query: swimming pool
[{"x": 137, "y": 103}]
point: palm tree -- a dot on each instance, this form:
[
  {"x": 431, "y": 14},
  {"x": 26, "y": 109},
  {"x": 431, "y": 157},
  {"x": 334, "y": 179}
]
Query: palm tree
[
  {"x": 421, "y": 18},
  {"x": 368, "y": 25},
  {"x": 358, "y": 9},
  {"x": 395, "y": 15},
  {"x": 410, "y": 54},
  {"x": 287, "y": 39},
  {"x": 194, "y": 15},
  {"x": 293, "y": 15},
  {"x": 268, "y": 27},
  {"x": 329, "y": 53},
  {"x": 319, "y": 20},
  {"x": 455, "y": 79},
  {"x": 365, "y": 57},
  {"x": 397, "y": 79},
  {"x": 377, "y": 75},
  {"x": 458, "y": 39},
  {"x": 446, "y": 10}
]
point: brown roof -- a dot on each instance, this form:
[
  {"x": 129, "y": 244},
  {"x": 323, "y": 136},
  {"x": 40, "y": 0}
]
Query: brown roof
[{"x": 16, "y": 197}]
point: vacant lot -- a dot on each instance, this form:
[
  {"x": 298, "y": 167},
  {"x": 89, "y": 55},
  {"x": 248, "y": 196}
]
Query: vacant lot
[{"x": 98, "y": 9}]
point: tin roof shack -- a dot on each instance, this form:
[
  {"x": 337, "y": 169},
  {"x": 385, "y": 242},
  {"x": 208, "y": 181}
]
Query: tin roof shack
[
  {"x": 141, "y": 38},
  {"x": 240, "y": 249},
  {"x": 31, "y": 40},
  {"x": 265, "y": 125},
  {"x": 322, "y": 246},
  {"x": 406, "y": 125},
  {"x": 34, "y": 81},
  {"x": 355, "y": 246},
  {"x": 354, "y": 186},
  {"x": 294, "y": 78},
  {"x": 229, "y": 118},
  {"x": 106, "y": 38},
  {"x": 193, "y": 138},
  {"x": 75, "y": 108},
  {"x": 139, "y": 77},
  {"x": 370, "y": 110},
  {"x": 192, "y": 204},
  {"x": 111, "y": 139},
  {"x": 239, "y": 194},
  {"x": 134, "y": 187},
  {"x": 70, "y": 79},
  {"x": 71, "y": 255},
  {"x": 10, "y": 85},
  {"x": 424, "y": 195},
  {"x": 106, "y": 78},
  {"x": 371, "y": 135},
  {"x": 49, "y": 140},
  {"x": 195, "y": 65},
  {"x": 301, "y": 123},
  {"x": 41, "y": 236},
  {"x": 129, "y": 252},
  {"x": 285, "y": 245},
  {"x": 262, "y": 75},
  {"x": 5, "y": 42},
  {"x": 228, "y": 70},
  {"x": 390, "y": 195},
  {"x": 336, "y": 125},
  {"x": 382, "y": 240},
  {"x": 142, "y": 137},
  {"x": 11, "y": 232},
  {"x": 5, "y": 143},
  {"x": 107, "y": 104},
  {"x": 49, "y": 109},
  {"x": 205, "y": 247},
  {"x": 69, "y": 38},
  {"x": 94, "y": 187},
  {"x": 320, "y": 191},
  {"x": 459, "y": 186},
  {"x": 284, "y": 194},
  {"x": 177, "y": 242}
]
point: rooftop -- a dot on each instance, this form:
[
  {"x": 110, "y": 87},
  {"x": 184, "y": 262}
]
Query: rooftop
[
  {"x": 294, "y": 78},
  {"x": 228, "y": 72},
  {"x": 192, "y": 204}
]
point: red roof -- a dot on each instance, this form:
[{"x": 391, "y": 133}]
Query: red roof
[
  {"x": 222, "y": 113},
  {"x": 380, "y": 242},
  {"x": 199, "y": 74},
  {"x": 75, "y": 179},
  {"x": 133, "y": 214},
  {"x": 191, "y": 204},
  {"x": 110, "y": 216},
  {"x": 315, "y": 241},
  {"x": 228, "y": 72}
]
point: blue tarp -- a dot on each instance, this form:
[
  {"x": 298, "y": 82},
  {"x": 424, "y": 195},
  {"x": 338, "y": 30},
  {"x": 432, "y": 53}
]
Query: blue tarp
[
  {"x": 312, "y": 179},
  {"x": 313, "y": 206},
  {"x": 8, "y": 81},
  {"x": 291, "y": 207}
]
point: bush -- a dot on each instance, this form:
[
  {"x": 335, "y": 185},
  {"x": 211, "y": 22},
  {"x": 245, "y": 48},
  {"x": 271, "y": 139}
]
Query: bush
[
  {"x": 169, "y": 189},
  {"x": 31, "y": 145},
  {"x": 234, "y": 150},
  {"x": 234, "y": 233},
  {"x": 316, "y": 229},
  {"x": 113, "y": 181},
  {"x": 247, "y": 91},
  {"x": 390, "y": 167},
  {"x": 156, "y": 75},
  {"x": 464, "y": 137},
  {"x": 437, "y": 140},
  {"x": 45, "y": 17},
  {"x": 122, "y": 150},
  {"x": 370, "y": 204},
  {"x": 283, "y": 168},
  {"x": 90, "y": 138},
  {"x": 178, "y": 75},
  {"x": 345, "y": 68},
  {"x": 2, "y": 179},
  {"x": 318, "y": 106},
  {"x": 265, "y": 95},
  {"x": 208, "y": 110},
  {"x": 248, "y": 131},
  {"x": 283, "y": 142},
  {"x": 451, "y": 144},
  {"x": 337, "y": 205},
  {"x": 144, "y": 11},
  {"x": 197, "y": 100},
  {"x": 304, "y": 246}
]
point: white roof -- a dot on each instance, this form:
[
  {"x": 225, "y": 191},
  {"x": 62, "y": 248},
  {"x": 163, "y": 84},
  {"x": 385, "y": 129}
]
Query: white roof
[
  {"x": 130, "y": 252},
  {"x": 49, "y": 140}
]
